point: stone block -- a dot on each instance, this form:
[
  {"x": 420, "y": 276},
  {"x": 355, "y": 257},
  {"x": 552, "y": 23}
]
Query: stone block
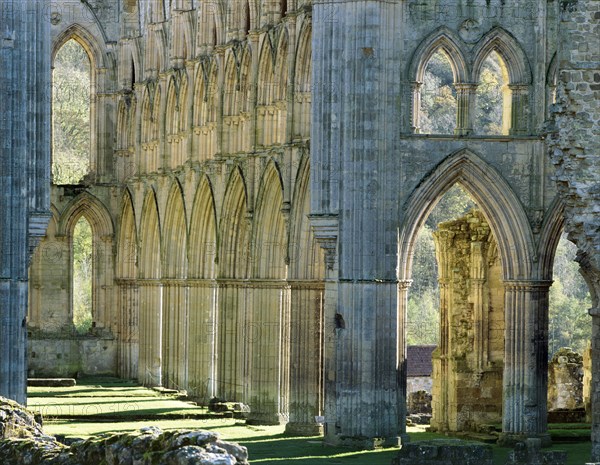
[{"x": 444, "y": 452}]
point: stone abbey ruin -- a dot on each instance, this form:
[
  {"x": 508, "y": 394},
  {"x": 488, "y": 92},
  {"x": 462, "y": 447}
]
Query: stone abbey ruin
[{"x": 256, "y": 179}]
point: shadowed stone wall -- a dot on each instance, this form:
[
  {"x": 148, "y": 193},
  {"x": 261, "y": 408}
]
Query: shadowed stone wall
[{"x": 24, "y": 173}]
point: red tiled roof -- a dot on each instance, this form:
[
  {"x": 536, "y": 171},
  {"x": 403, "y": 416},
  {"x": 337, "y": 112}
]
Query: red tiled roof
[{"x": 418, "y": 360}]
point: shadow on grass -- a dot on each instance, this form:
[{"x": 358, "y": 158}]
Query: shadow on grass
[
  {"x": 278, "y": 449},
  {"x": 118, "y": 401},
  {"x": 93, "y": 392}
]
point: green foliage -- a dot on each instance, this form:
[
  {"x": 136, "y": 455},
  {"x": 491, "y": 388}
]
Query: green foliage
[
  {"x": 438, "y": 97},
  {"x": 455, "y": 203},
  {"x": 489, "y": 112},
  {"x": 70, "y": 114},
  {"x": 569, "y": 323},
  {"x": 82, "y": 276}
]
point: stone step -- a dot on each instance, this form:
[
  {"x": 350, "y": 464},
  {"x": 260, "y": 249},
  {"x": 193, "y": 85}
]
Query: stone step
[{"x": 51, "y": 382}]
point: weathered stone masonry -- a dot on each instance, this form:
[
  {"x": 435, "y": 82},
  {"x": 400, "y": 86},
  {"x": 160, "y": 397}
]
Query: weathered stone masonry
[
  {"x": 575, "y": 151},
  {"x": 258, "y": 178}
]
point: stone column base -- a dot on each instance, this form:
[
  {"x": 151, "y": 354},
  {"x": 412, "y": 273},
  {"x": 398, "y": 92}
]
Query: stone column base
[
  {"x": 266, "y": 419},
  {"x": 365, "y": 443},
  {"x": 304, "y": 429},
  {"x": 510, "y": 439}
]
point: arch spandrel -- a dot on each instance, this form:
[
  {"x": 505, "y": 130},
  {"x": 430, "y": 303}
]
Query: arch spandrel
[{"x": 497, "y": 200}]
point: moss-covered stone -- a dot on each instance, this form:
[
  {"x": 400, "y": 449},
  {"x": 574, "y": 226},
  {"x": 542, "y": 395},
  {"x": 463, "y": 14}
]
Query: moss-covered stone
[{"x": 22, "y": 442}]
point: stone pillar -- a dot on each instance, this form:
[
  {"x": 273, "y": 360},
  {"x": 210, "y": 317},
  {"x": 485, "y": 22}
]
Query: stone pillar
[
  {"x": 477, "y": 299},
  {"x": 353, "y": 156},
  {"x": 595, "y": 391},
  {"x": 465, "y": 108},
  {"x": 526, "y": 361},
  {"x": 467, "y": 378},
  {"x": 416, "y": 106},
  {"x": 128, "y": 328},
  {"x": 202, "y": 339},
  {"x": 306, "y": 357},
  {"x": 174, "y": 334},
  {"x": 401, "y": 369},
  {"x": 587, "y": 382},
  {"x": 519, "y": 109},
  {"x": 150, "y": 362},
  {"x": 268, "y": 350},
  {"x": 232, "y": 341},
  {"x": 24, "y": 174}
]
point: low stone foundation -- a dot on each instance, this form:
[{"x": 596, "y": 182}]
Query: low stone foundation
[
  {"x": 444, "y": 452},
  {"x": 51, "y": 382},
  {"x": 22, "y": 442},
  {"x": 531, "y": 453}
]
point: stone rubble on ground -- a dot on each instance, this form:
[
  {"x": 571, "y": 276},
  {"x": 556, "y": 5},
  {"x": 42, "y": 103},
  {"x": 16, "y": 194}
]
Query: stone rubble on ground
[{"x": 22, "y": 442}]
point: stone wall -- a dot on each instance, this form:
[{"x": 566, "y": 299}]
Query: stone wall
[
  {"x": 71, "y": 357},
  {"x": 565, "y": 380},
  {"x": 419, "y": 383},
  {"x": 575, "y": 152},
  {"x": 587, "y": 382},
  {"x": 467, "y": 377}
]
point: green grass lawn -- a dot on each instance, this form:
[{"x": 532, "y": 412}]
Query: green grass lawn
[{"x": 98, "y": 406}]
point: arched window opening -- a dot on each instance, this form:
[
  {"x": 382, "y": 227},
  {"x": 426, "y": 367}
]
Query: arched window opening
[
  {"x": 424, "y": 296},
  {"x": 569, "y": 322},
  {"x": 492, "y": 114},
  {"x": 82, "y": 272},
  {"x": 569, "y": 339},
  {"x": 455, "y": 316},
  {"x": 438, "y": 96},
  {"x": 71, "y": 103}
]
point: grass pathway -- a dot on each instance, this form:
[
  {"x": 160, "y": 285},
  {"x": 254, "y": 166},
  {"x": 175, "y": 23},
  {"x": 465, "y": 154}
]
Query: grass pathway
[{"x": 109, "y": 405}]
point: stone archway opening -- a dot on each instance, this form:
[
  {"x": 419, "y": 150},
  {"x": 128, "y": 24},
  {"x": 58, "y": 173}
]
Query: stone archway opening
[
  {"x": 82, "y": 268},
  {"x": 569, "y": 339},
  {"x": 456, "y": 303},
  {"x": 71, "y": 113}
]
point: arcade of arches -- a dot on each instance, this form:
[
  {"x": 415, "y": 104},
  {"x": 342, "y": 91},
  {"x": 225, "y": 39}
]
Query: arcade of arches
[{"x": 256, "y": 180}]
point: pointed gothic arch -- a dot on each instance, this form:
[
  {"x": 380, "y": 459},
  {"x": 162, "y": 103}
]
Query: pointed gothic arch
[
  {"x": 451, "y": 45},
  {"x": 550, "y": 234},
  {"x": 511, "y": 52},
  {"x": 234, "y": 228},
  {"x": 87, "y": 40},
  {"x": 174, "y": 235},
  {"x": 202, "y": 245},
  {"x": 498, "y": 202},
  {"x": 93, "y": 209},
  {"x": 270, "y": 235}
]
